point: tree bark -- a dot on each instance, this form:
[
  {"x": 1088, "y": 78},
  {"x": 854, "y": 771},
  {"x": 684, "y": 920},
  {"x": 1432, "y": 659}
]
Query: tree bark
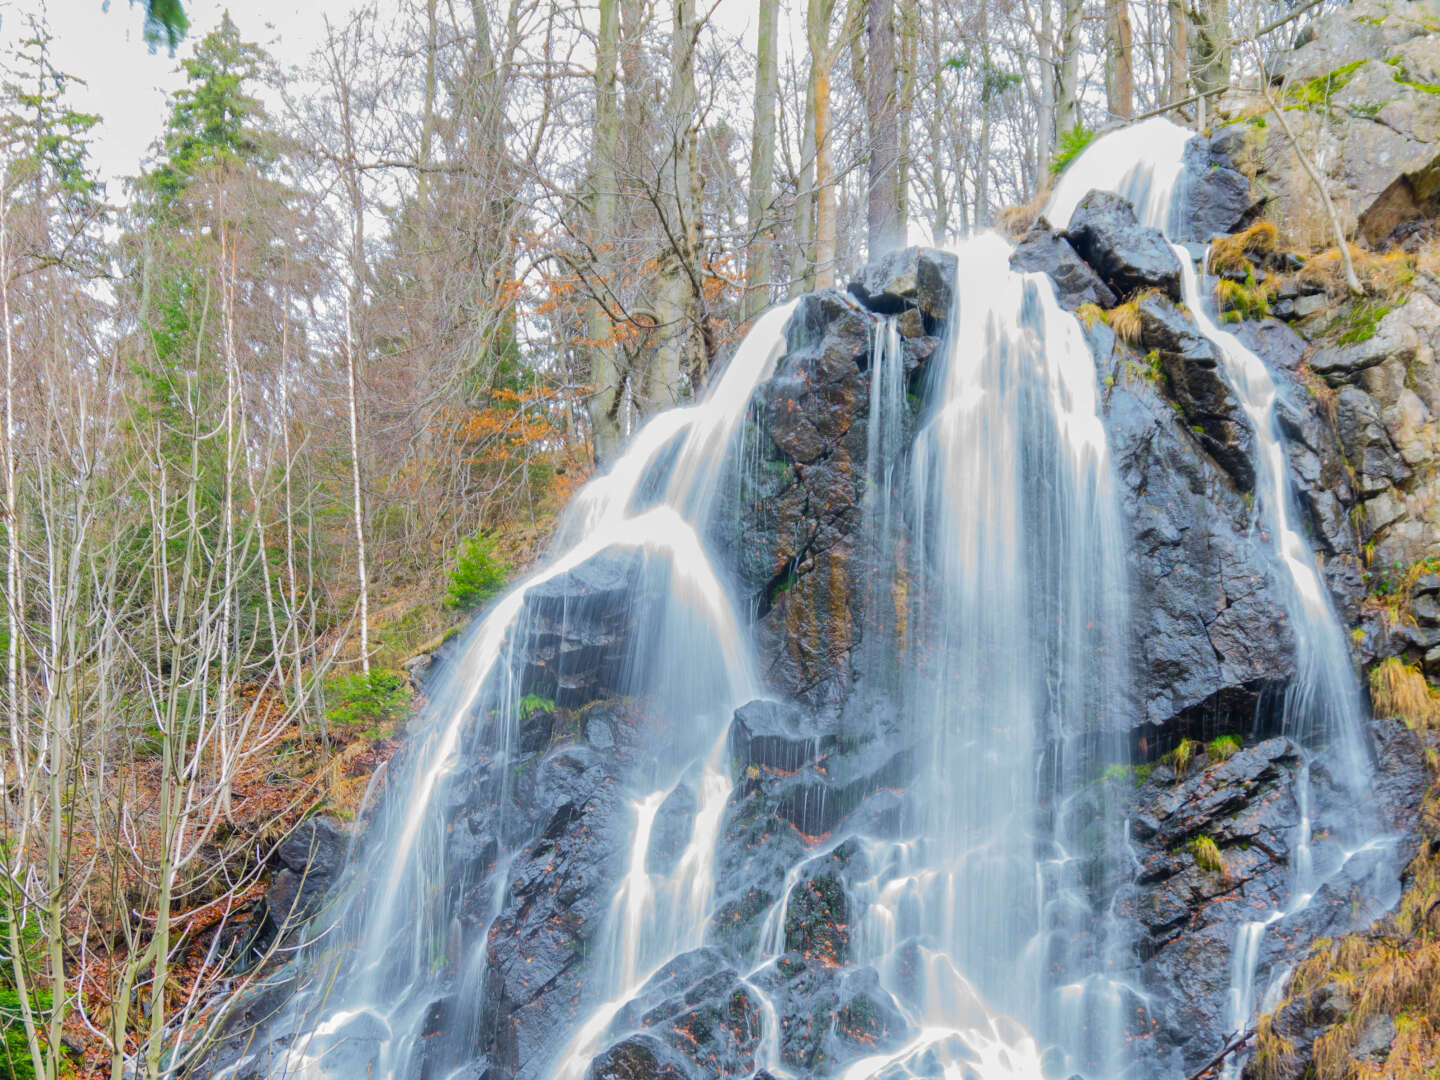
[
  {"x": 762, "y": 163},
  {"x": 909, "y": 33},
  {"x": 1211, "y": 40},
  {"x": 1045, "y": 106},
  {"x": 1177, "y": 73},
  {"x": 1119, "y": 55},
  {"x": 802, "y": 255},
  {"x": 1067, "y": 103},
  {"x": 886, "y": 229},
  {"x": 604, "y": 374},
  {"x": 677, "y": 361},
  {"x": 817, "y": 32}
]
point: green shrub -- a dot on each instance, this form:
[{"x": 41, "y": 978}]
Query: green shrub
[
  {"x": 479, "y": 574},
  {"x": 1223, "y": 748},
  {"x": 531, "y": 704},
  {"x": 380, "y": 697},
  {"x": 1072, "y": 145}
]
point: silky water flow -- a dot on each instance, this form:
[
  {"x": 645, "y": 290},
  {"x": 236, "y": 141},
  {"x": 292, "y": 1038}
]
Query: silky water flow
[{"x": 997, "y": 630}]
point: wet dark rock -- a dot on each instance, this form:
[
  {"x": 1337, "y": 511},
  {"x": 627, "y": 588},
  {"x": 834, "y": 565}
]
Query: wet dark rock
[
  {"x": 1211, "y": 635},
  {"x": 1128, "y": 256},
  {"x": 1273, "y": 341},
  {"x": 914, "y": 278},
  {"x": 640, "y": 1057},
  {"x": 767, "y": 733},
  {"x": 829, "y": 1015},
  {"x": 671, "y": 832},
  {"x": 1044, "y": 250},
  {"x": 310, "y": 860},
  {"x": 1216, "y": 196},
  {"x": 700, "y": 1010},
  {"x": 819, "y": 912},
  {"x": 557, "y": 893},
  {"x": 576, "y": 630},
  {"x": 1195, "y": 383}
]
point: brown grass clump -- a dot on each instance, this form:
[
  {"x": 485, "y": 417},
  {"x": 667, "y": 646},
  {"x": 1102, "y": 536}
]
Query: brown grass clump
[
  {"x": 1386, "y": 276},
  {"x": 1124, "y": 318},
  {"x": 1231, "y": 253},
  {"x": 1392, "y": 969},
  {"x": 1017, "y": 220},
  {"x": 1399, "y": 689}
]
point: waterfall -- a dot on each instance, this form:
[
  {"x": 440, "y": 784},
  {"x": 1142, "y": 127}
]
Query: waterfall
[
  {"x": 1016, "y": 653},
  {"x": 376, "y": 965},
  {"x": 1145, "y": 164},
  {"x": 997, "y": 625}
]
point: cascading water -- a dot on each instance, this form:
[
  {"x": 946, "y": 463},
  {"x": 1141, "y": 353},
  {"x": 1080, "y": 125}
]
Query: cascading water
[
  {"x": 978, "y": 923},
  {"x": 378, "y": 968},
  {"x": 1145, "y": 164},
  {"x": 996, "y": 629}
]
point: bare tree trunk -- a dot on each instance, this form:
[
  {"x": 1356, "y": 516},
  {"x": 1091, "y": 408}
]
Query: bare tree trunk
[
  {"x": 987, "y": 94},
  {"x": 817, "y": 31},
  {"x": 1045, "y": 106},
  {"x": 935, "y": 137},
  {"x": 1212, "y": 49},
  {"x": 1119, "y": 56},
  {"x": 1067, "y": 102},
  {"x": 1177, "y": 68},
  {"x": 13, "y": 607},
  {"x": 886, "y": 229},
  {"x": 909, "y": 34},
  {"x": 604, "y": 402},
  {"x": 762, "y": 163},
  {"x": 357, "y": 495},
  {"x": 677, "y": 361},
  {"x": 427, "y": 117}
]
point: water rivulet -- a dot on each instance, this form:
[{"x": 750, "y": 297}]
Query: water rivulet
[{"x": 816, "y": 747}]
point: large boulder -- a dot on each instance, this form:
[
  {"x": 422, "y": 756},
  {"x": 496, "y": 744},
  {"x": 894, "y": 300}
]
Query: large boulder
[
  {"x": 1044, "y": 250},
  {"x": 1129, "y": 256},
  {"x": 1210, "y": 633},
  {"x": 695, "y": 1017}
]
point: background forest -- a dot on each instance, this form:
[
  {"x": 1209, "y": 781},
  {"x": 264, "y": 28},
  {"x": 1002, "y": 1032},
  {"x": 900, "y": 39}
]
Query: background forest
[{"x": 280, "y": 411}]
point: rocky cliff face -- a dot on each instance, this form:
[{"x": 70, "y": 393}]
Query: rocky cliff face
[{"x": 1216, "y": 789}]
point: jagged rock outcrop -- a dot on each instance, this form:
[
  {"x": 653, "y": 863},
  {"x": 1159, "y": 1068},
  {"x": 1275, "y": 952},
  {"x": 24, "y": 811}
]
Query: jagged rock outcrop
[
  {"x": 1216, "y": 847},
  {"x": 577, "y": 629},
  {"x": 1359, "y": 90},
  {"x": 1045, "y": 250},
  {"x": 695, "y": 1017},
  {"x": 1128, "y": 256}
]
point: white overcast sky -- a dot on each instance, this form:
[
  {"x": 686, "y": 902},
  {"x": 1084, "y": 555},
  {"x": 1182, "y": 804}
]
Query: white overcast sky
[{"x": 126, "y": 84}]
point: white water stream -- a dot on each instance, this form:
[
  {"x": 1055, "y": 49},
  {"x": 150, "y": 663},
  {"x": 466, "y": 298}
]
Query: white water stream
[{"x": 982, "y": 920}]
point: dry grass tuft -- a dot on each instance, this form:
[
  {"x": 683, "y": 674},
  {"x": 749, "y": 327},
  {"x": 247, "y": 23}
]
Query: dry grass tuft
[
  {"x": 1231, "y": 253},
  {"x": 1385, "y": 276},
  {"x": 1392, "y": 969},
  {"x": 1124, "y": 319},
  {"x": 1016, "y": 221},
  {"x": 1090, "y": 314},
  {"x": 1400, "y": 689}
]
